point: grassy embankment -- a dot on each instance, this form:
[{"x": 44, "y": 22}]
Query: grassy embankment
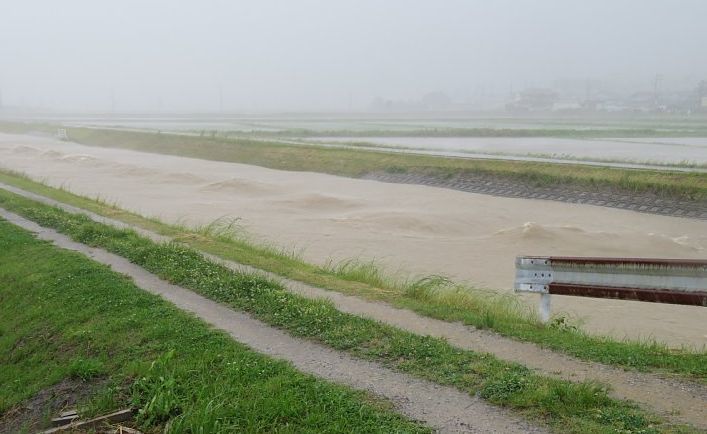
[
  {"x": 359, "y": 162},
  {"x": 65, "y": 318},
  {"x": 565, "y": 406},
  {"x": 432, "y": 296}
]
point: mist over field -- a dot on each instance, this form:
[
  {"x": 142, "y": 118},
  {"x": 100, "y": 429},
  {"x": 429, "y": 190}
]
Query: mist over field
[{"x": 210, "y": 56}]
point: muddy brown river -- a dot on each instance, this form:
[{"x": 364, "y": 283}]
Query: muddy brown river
[{"x": 412, "y": 229}]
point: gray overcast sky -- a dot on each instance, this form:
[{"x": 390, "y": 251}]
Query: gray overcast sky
[{"x": 312, "y": 55}]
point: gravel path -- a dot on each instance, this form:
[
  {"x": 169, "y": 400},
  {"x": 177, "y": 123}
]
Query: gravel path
[
  {"x": 687, "y": 400},
  {"x": 443, "y": 408},
  {"x": 496, "y": 186}
]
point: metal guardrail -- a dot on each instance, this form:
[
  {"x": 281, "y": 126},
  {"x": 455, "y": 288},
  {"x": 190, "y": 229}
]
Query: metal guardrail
[{"x": 674, "y": 281}]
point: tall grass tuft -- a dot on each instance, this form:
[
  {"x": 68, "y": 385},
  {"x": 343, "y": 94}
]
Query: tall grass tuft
[
  {"x": 359, "y": 271},
  {"x": 490, "y": 306},
  {"x": 223, "y": 228}
]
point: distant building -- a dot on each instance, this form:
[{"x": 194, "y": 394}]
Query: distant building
[{"x": 537, "y": 99}]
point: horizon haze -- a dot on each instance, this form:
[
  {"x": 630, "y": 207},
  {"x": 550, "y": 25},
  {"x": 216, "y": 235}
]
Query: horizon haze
[{"x": 316, "y": 55}]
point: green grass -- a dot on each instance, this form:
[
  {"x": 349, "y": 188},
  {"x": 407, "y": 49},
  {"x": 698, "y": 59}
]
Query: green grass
[
  {"x": 432, "y": 296},
  {"x": 64, "y": 316},
  {"x": 566, "y": 406}
]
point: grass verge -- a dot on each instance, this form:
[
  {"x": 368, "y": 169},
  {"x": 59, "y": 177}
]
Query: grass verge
[
  {"x": 63, "y": 316},
  {"x": 431, "y": 296},
  {"x": 565, "y": 406}
]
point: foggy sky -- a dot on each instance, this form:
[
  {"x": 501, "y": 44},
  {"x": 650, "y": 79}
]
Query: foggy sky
[{"x": 180, "y": 55}]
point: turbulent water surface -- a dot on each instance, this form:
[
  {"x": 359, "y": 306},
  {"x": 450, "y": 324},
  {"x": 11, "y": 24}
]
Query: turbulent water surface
[{"x": 413, "y": 228}]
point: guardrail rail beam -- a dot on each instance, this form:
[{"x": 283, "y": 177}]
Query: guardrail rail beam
[{"x": 673, "y": 281}]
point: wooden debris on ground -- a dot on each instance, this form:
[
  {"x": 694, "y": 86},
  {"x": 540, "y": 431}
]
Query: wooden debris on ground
[
  {"x": 65, "y": 417},
  {"x": 68, "y": 422},
  {"x": 123, "y": 430}
]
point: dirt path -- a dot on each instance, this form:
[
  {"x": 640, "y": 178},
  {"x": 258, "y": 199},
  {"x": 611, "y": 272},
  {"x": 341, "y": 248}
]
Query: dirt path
[
  {"x": 443, "y": 408},
  {"x": 686, "y": 402}
]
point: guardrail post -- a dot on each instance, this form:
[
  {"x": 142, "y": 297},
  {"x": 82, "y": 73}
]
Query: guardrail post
[{"x": 544, "y": 307}]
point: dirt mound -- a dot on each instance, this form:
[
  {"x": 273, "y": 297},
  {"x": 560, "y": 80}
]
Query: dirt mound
[{"x": 31, "y": 415}]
